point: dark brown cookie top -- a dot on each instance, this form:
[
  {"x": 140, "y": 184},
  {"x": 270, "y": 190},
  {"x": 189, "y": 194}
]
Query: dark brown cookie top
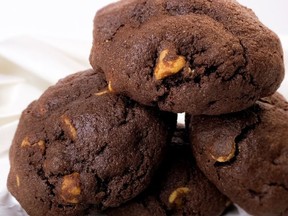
[
  {"x": 81, "y": 147},
  {"x": 245, "y": 155},
  {"x": 179, "y": 188},
  {"x": 193, "y": 56}
]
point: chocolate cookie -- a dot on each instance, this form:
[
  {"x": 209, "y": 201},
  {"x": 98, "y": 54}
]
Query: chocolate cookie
[
  {"x": 245, "y": 155},
  {"x": 178, "y": 189},
  {"x": 80, "y": 147},
  {"x": 193, "y": 56}
]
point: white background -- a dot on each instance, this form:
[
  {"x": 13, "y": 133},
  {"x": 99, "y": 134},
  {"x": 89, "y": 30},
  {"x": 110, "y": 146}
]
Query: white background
[
  {"x": 43, "y": 41},
  {"x": 62, "y": 20}
]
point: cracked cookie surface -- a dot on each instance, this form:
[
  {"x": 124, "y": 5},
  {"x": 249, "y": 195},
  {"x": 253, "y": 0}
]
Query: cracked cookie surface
[
  {"x": 80, "y": 147},
  {"x": 179, "y": 188},
  {"x": 193, "y": 56},
  {"x": 256, "y": 175}
]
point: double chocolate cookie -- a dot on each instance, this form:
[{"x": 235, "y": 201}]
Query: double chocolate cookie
[
  {"x": 179, "y": 188},
  {"x": 245, "y": 155},
  {"x": 193, "y": 56},
  {"x": 80, "y": 147}
]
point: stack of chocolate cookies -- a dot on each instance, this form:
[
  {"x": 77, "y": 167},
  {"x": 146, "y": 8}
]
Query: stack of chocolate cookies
[{"x": 105, "y": 141}]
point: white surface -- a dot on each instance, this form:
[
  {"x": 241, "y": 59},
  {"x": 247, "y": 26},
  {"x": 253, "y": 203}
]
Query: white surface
[
  {"x": 272, "y": 13},
  {"x": 43, "y": 41}
]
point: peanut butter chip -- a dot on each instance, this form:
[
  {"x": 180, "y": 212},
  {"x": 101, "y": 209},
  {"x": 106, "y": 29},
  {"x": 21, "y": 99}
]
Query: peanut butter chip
[
  {"x": 70, "y": 189},
  {"x": 72, "y": 129},
  {"x": 41, "y": 145},
  {"x": 110, "y": 86},
  {"x": 102, "y": 92},
  {"x": 17, "y": 181},
  {"x": 191, "y": 71},
  {"x": 165, "y": 68},
  {"x": 105, "y": 91},
  {"x": 227, "y": 155},
  {"x": 177, "y": 196},
  {"x": 25, "y": 143}
]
